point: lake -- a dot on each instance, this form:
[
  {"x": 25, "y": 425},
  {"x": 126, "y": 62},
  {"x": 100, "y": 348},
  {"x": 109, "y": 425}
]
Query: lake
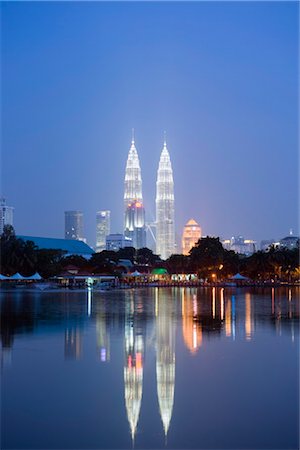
[{"x": 201, "y": 368}]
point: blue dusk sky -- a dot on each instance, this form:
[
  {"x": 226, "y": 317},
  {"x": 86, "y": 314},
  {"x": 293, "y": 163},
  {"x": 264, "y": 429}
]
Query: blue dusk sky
[{"x": 221, "y": 79}]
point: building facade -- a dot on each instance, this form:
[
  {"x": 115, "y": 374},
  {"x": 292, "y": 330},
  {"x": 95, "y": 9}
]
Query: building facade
[
  {"x": 6, "y": 214},
  {"x": 191, "y": 234},
  {"x": 102, "y": 229},
  {"x": 74, "y": 225},
  {"x": 165, "y": 213},
  {"x": 134, "y": 217},
  {"x": 116, "y": 241},
  {"x": 240, "y": 245}
]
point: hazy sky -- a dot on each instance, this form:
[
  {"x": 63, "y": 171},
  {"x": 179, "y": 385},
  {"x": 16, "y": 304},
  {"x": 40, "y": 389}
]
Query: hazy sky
[{"x": 220, "y": 78}]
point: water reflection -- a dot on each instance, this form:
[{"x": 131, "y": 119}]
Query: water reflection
[
  {"x": 191, "y": 327},
  {"x": 165, "y": 356},
  {"x": 102, "y": 333},
  {"x": 133, "y": 367},
  {"x": 150, "y": 338}
]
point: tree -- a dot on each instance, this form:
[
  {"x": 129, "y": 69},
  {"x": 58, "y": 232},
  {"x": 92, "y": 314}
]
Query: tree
[
  {"x": 146, "y": 256},
  {"x": 74, "y": 260},
  {"x": 178, "y": 264},
  {"x": 207, "y": 257}
]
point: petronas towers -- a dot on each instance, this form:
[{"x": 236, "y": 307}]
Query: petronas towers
[
  {"x": 134, "y": 226},
  {"x": 165, "y": 230},
  {"x": 134, "y": 220}
]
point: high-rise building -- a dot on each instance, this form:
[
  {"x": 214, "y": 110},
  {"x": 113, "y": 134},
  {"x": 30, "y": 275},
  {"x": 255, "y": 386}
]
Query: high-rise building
[
  {"x": 74, "y": 225},
  {"x": 190, "y": 236},
  {"x": 6, "y": 214},
  {"x": 134, "y": 226},
  {"x": 102, "y": 229},
  {"x": 165, "y": 227}
]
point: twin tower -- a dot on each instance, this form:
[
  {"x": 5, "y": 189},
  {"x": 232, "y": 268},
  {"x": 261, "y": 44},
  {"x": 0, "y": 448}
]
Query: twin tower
[{"x": 134, "y": 226}]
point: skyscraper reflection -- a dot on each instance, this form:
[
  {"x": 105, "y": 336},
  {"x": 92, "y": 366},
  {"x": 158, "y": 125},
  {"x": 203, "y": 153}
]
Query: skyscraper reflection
[
  {"x": 133, "y": 367},
  {"x": 165, "y": 356}
]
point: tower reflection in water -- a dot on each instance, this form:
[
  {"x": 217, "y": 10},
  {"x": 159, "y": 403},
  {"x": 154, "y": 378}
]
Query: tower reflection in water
[
  {"x": 133, "y": 367},
  {"x": 165, "y": 355}
]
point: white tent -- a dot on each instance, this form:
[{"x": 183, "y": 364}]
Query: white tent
[
  {"x": 35, "y": 276},
  {"x": 238, "y": 276},
  {"x": 3, "y": 277},
  {"x": 17, "y": 276},
  {"x": 135, "y": 274}
]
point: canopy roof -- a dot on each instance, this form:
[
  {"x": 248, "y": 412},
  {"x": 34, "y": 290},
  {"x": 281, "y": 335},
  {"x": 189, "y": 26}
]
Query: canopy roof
[
  {"x": 238, "y": 276},
  {"x": 70, "y": 246},
  {"x": 159, "y": 271},
  {"x": 18, "y": 276}
]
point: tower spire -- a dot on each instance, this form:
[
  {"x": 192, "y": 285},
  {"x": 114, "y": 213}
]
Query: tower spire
[
  {"x": 165, "y": 138},
  {"x": 132, "y": 135}
]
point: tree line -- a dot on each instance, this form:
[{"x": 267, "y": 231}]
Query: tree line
[{"x": 208, "y": 259}]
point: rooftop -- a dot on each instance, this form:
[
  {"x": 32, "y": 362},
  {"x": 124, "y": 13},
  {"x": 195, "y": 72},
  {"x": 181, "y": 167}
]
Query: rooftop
[{"x": 70, "y": 246}]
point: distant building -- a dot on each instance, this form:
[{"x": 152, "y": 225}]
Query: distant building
[
  {"x": 116, "y": 241},
  {"x": 74, "y": 225},
  {"x": 240, "y": 245},
  {"x": 69, "y": 246},
  {"x": 190, "y": 236},
  {"x": 266, "y": 244},
  {"x": 290, "y": 242},
  {"x": 6, "y": 214},
  {"x": 102, "y": 229}
]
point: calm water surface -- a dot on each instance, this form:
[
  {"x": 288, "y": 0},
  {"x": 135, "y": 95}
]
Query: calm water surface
[{"x": 205, "y": 368}]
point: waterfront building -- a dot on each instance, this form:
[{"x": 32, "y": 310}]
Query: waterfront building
[
  {"x": 116, "y": 241},
  {"x": 134, "y": 217},
  {"x": 190, "y": 236},
  {"x": 74, "y": 225},
  {"x": 6, "y": 214},
  {"x": 102, "y": 229},
  {"x": 68, "y": 246},
  {"x": 165, "y": 214}
]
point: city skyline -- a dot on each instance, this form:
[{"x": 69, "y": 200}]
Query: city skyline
[{"x": 211, "y": 79}]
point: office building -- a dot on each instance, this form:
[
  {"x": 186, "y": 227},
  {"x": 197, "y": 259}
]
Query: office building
[
  {"x": 102, "y": 229},
  {"x": 190, "y": 236},
  {"x": 240, "y": 245},
  {"x": 74, "y": 225},
  {"x": 116, "y": 241}
]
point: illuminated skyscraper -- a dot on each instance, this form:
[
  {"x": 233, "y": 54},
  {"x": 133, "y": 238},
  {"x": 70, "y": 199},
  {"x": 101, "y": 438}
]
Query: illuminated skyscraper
[
  {"x": 74, "y": 225},
  {"x": 165, "y": 228},
  {"x": 134, "y": 226},
  {"x": 102, "y": 229},
  {"x": 190, "y": 236}
]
